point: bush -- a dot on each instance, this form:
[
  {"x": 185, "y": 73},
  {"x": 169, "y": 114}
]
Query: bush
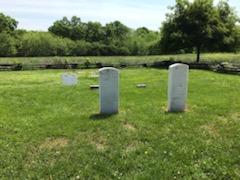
[
  {"x": 47, "y": 44},
  {"x": 7, "y": 45},
  {"x": 64, "y": 46},
  {"x": 80, "y": 48},
  {"x": 37, "y": 44},
  {"x": 44, "y": 44}
]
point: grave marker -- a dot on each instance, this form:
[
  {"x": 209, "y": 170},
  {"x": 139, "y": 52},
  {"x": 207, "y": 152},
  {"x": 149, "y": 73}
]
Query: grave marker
[
  {"x": 69, "y": 80},
  {"x": 177, "y": 87},
  {"x": 93, "y": 87},
  {"x": 141, "y": 85},
  {"x": 109, "y": 90}
]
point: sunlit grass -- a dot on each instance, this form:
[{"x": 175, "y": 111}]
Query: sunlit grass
[{"x": 48, "y": 131}]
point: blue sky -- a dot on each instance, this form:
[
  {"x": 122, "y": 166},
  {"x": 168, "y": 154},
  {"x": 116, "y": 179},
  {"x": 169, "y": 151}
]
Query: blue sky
[{"x": 40, "y": 14}]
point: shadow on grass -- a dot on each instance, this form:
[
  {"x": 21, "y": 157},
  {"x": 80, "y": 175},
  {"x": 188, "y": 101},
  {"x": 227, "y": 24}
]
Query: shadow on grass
[
  {"x": 174, "y": 113},
  {"x": 166, "y": 112},
  {"x": 97, "y": 117}
]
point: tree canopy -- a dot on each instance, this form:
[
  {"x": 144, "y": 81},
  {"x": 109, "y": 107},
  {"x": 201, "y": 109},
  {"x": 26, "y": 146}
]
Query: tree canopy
[
  {"x": 114, "y": 32},
  {"x": 199, "y": 25},
  {"x": 7, "y": 23},
  {"x": 190, "y": 26}
]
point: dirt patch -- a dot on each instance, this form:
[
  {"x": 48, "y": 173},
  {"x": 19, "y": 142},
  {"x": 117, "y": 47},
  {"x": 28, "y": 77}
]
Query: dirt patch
[
  {"x": 55, "y": 143},
  {"x": 95, "y": 139},
  {"x": 99, "y": 146},
  {"x": 129, "y": 127},
  {"x": 211, "y": 129},
  {"x": 99, "y": 142},
  {"x": 222, "y": 120},
  {"x": 235, "y": 117},
  {"x": 35, "y": 153},
  {"x": 132, "y": 147},
  {"x": 231, "y": 118}
]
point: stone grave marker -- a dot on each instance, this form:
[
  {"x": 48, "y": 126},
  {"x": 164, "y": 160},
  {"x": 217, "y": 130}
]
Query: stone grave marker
[
  {"x": 177, "y": 87},
  {"x": 94, "y": 87},
  {"x": 69, "y": 79},
  {"x": 109, "y": 90},
  {"x": 141, "y": 85}
]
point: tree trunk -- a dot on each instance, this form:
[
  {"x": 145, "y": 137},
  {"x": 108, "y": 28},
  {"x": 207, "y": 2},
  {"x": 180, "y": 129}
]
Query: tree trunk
[{"x": 198, "y": 54}]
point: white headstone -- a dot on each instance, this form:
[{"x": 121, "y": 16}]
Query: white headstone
[
  {"x": 177, "y": 87},
  {"x": 69, "y": 79},
  {"x": 109, "y": 90}
]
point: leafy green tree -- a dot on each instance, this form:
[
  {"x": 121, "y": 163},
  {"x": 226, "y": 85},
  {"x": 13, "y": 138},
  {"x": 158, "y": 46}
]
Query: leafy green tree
[
  {"x": 62, "y": 46},
  {"x": 7, "y": 27},
  {"x": 142, "y": 31},
  {"x": 194, "y": 25},
  {"x": 77, "y": 29},
  {"x": 116, "y": 33},
  {"x": 228, "y": 17},
  {"x": 7, "y": 23},
  {"x": 94, "y": 32},
  {"x": 7, "y": 45},
  {"x": 38, "y": 44},
  {"x": 115, "y": 38},
  {"x": 238, "y": 39},
  {"x": 61, "y": 27},
  {"x": 140, "y": 40},
  {"x": 81, "y": 48},
  {"x": 172, "y": 40}
]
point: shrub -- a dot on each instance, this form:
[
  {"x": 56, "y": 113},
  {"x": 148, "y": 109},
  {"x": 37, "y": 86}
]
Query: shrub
[
  {"x": 80, "y": 48},
  {"x": 7, "y": 45}
]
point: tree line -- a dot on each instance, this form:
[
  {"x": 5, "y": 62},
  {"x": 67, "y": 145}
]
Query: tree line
[
  {"x": 190, "y": 27},
  {"x": 74, "y": 38}
]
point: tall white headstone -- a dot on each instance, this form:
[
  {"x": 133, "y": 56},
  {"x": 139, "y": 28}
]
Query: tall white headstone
[
  {"x": 177, "y": 87},
  {"x": 109, "y": 90}
]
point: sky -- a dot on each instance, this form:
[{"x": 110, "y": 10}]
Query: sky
[{"x": 40, "y": 14}]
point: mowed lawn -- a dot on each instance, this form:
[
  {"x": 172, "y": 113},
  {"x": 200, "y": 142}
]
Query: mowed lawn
[{"x": 48, "y": 131}]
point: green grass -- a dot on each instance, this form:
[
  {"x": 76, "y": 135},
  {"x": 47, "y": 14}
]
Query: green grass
[
  {"x": 210, "y": 57},
  {"x": 48, "y": 131}
]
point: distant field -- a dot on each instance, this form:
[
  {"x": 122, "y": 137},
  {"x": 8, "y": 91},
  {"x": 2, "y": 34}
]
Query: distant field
[
  {"x": 211, "y": 57},
  {"x": 48, "y": 131}
]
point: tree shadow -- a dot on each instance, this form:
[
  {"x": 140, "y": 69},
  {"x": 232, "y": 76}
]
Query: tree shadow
[{"x": 98, "y": 117}]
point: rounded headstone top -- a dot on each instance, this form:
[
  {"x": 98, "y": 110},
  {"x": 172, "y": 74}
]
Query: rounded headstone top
[
  {"x": 176, "y": 65},
  {"x": 108, "y": 69}
]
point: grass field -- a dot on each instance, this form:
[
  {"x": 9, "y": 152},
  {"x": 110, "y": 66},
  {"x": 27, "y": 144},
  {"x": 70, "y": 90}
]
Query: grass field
[
  {"x": 48, "y": 131},
  {"x": 211, "y": 57}
]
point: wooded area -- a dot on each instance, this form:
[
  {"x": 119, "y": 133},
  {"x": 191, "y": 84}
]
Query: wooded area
[{"x": 190, "y": 27}]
